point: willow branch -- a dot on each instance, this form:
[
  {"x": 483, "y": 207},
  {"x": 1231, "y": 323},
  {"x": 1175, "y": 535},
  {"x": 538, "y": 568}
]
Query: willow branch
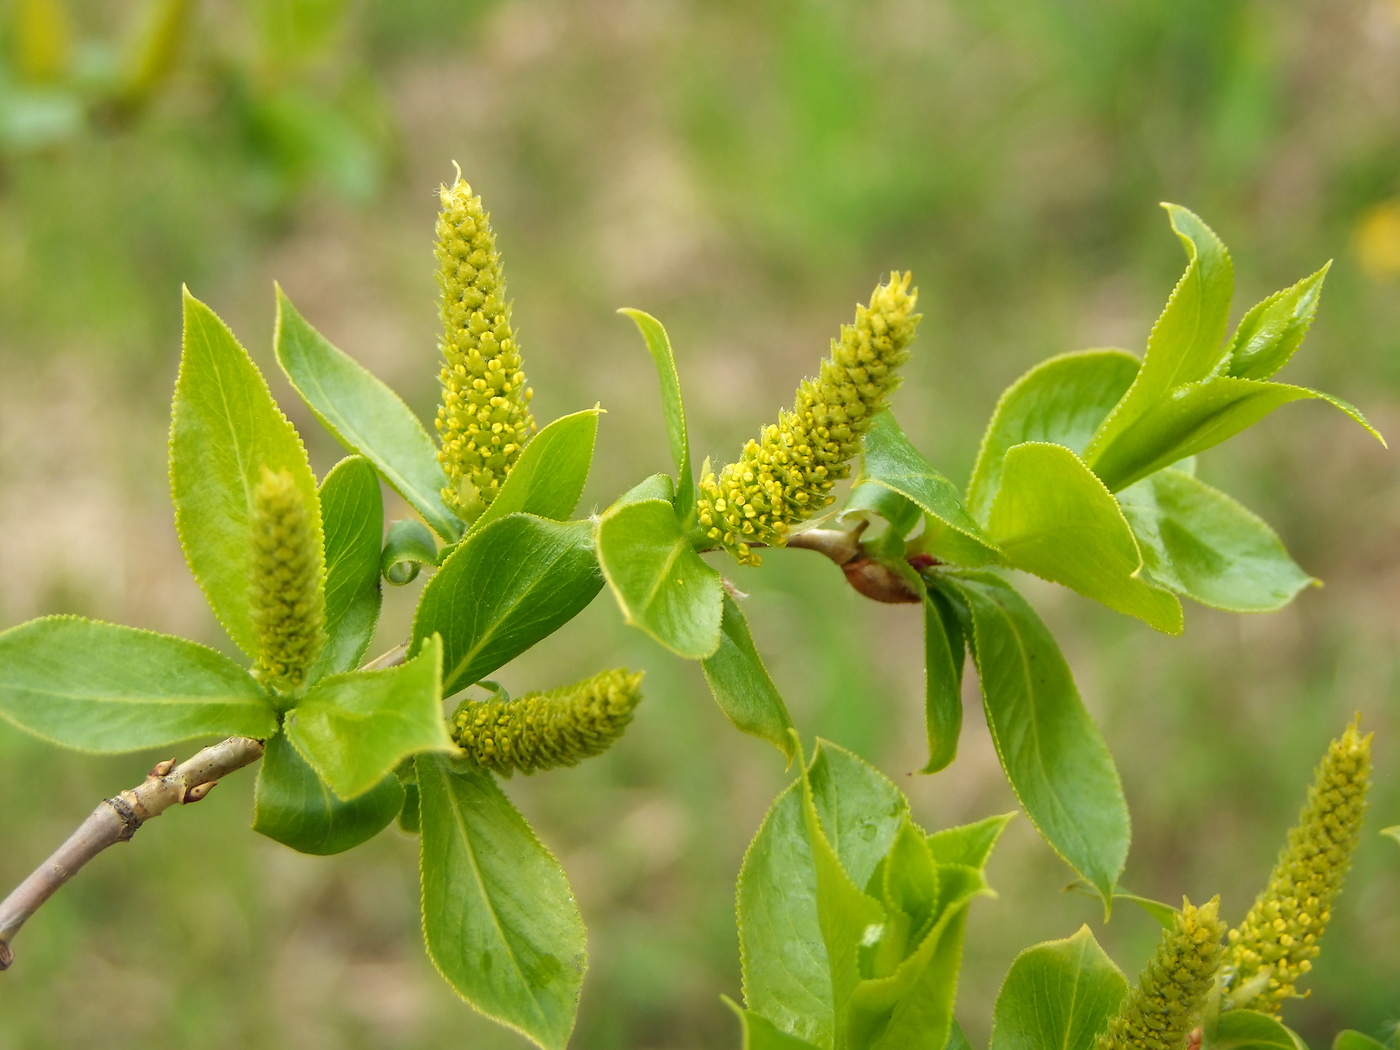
[{"x": 117, "y": 819}]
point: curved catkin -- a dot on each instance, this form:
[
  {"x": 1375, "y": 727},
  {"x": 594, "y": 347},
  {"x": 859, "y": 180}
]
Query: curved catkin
[
  {"x": 1166, "y": 1004},
  {"x": 544, "y": 730},
  {"x": 288, "y": 589},
  {"x": 787, "y": 475},
  {"x": 1274, "y": 946},
  {"x": 484, "y": 420}
]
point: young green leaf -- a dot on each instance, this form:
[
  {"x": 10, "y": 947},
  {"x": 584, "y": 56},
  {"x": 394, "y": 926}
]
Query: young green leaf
[
  {"x": 661, "y": 584},
  {"x": 1164, "y": 914},
  {"x": 1201, "y": 543},
  {"x": 502, "y": 590},
  {"x": 1187, "y": 342},
  {"x": 762, "y": 1034},
  {"x": 1053, "y": 518},
  {"x": 1193, "y": 418},
  {"x": 1349, "y": 1039},
  {"x": 99, "y": 687},
  {"x": 499, "y": 918},
  {"x": 1048, "y": 745},
  {"x": 945, "y": 651},
  {"x": 1392, "y": 832},
  {"x": 902, "y": 513},
  {"x": 740, "y": 684},
  {"x": 293, "y": 806},
  {"x": 1057, "y": 996},
  {"x": 549, "y": 476},
  {"x": 352, "y": 513},
  {"x": 1062, "y": 400},
  {"x": 364, "y": 415},
  {"x": 890, "y": 460},
  {"x": 1268, "y": 335},
  {"x": 224, "y": 430},
  {"x": 659, "y": 346},
  {"x": 658, "y": 486},
  {"x": 785, "y": 965},
  {"x": 355, "y": 728},
  {"x": 1247, "y": 1030},
  {"x": 407, "y": 548},
  {"x": 957, "y": 1038},
  {"x": 968, "y": 844}
]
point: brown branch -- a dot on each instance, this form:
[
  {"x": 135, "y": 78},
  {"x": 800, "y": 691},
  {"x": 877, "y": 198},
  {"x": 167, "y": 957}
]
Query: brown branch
[{"x": 117, "y": 819}]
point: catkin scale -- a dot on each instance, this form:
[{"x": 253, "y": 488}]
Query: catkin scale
[
  {"x": 547, "y": 730},
  {"x": 287, "y": 583},
  {"x": 1273, "y": 948},
  {"x": 787, "y": 475},
  {"x": 484, "y": 420},
  {"x": 1165, "y": 1005}
]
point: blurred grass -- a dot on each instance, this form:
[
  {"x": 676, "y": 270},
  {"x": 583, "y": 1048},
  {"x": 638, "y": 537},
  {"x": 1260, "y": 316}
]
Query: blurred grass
[{"x": 745, "y": 172}]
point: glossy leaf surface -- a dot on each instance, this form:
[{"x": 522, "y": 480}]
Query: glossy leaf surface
[
  {"x": 1247, "y": 1030},
  {"x": 740, "y": 684},
  {"x": 1272, "y": 330},
  {"x": 1058, "y": 996},
  {"x": 968, "y": 844},
  {"x": 364, "y": 415},
  {"x": 352, "y": 512},
  {"x": 499, "y": 918},
  {"x": 408, "y": 547},
  {"x": 503, "y": 589},
  {"x": 660, "y": 583},
  {"x": 293, "y": 806},
  {"x": 548, "y": 478},
  {"x": 224, "y": 429},
  {"x": 945, "y": 652},
  {"x": 99, "y": 687},
  {"x": 672, "y": 408}
]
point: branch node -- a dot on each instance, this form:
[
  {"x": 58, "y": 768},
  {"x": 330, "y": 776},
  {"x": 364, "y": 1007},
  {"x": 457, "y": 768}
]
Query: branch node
[{"x": 126, "y": 813}]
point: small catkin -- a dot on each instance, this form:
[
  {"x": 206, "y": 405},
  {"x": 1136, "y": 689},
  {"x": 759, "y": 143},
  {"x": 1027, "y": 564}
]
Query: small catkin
[
  {"x": 787, "y": 475},
  {"x": 544, "y": 730},
  {"x": 288, "y": 587},
  {"x": 484, "y": 420},
  {"x": 1274, "y": 946},
  {"x": 1166, "y": 1004}
]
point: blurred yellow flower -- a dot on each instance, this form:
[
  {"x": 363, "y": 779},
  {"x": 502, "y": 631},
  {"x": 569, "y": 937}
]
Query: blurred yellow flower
[{"x": 1376, "y": 240}]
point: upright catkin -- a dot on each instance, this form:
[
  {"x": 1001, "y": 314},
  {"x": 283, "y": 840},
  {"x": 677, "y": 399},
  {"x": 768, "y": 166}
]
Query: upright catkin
[
  {"x": 787, "y": 475},
  {"x": 287, "y": 583},
  {"x": 484, "y": 420},
  {"x": 545, "y": 730},
  {"x": 1273, "y": 948},
  {"x": 1166, "y": 1004}
]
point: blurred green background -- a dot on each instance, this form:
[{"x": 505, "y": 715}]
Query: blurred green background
[{"x": 745, "y": 170}]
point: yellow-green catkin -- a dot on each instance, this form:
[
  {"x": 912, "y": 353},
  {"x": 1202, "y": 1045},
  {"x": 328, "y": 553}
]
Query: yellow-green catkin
[
  {"x": 544, "y": 730},
  {"x": 1274, "y": 946},
  {"x": 484, "y": 420},
  {"x": 288, "y": 587},
  {"x": 787, "y": 475},
  {"x": 1166, "y": 1004}
]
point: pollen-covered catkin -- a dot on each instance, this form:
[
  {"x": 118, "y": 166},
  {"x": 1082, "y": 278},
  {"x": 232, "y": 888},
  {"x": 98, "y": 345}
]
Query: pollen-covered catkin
[
  {"x": 787, "y": 475},
  {"x": 544, "y": 730},
  {"x": 1165, "y": 1006},
  {"x": 484, "y": 420},
  {"x": 287, "y": 584},
  {"x": 1274, "y": 946}
]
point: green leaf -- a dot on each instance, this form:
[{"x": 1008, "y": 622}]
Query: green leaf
[
  {"x": 902, "y": 513},
  {"x": 1048, "y": 745},
  {"x": 658, "y": 486},
  {"x": 364, "y": 415},
  {"x": 1062, "y": 400},
  {"x": 1164, "y": 914},
  {"x": 1058, "y": 996},
  {"x": 352, "y": 512},
  {"x": 1393, "y": 832},
  {"x": 293, "y": 806},
  {"x": 1247, "y": 1030},
  {"x": 740, "y": 684},
  {"x": 408, "y": 547},
  {"x": 661, "y": 584},
  {"x": 409, "y": 815},
  {"x": 1350, "y": 1039},
  {"x": 945, "y": 651},
  {"x": 1193, "y": 418},
  {"x": 659, "y": 346},
  {"x": 1201, "y": 543},
  {"x": 1268, "y": 335},
  {"x": 957, "y": 1038},
  {"x": 968, "y": 844},
  {"x": 355, "y": 728},
  {"x": 785, "y": 967},
  {"x": 99, "y": 687},
  {"x": 225, "y": 428},
  {"x": 499, "y": 918},
  {"x": 502, "y": 590},
  {"x": 1053, "y": 518},
  {"x": 761, "y": 1033},
  {"x": 890, "y": 460},
  {"x": 1187, "y": 342},
  {"x": 549, "y": 477}
]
